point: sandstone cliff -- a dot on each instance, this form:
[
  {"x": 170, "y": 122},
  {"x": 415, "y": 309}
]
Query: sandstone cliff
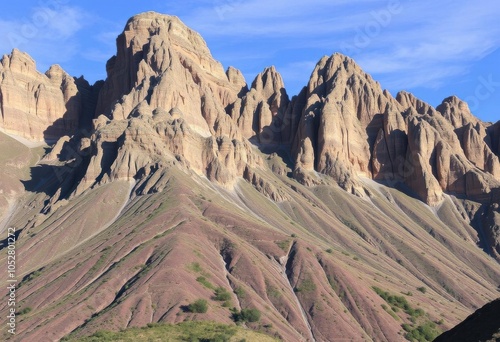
[{"x": 41, "y": 106}]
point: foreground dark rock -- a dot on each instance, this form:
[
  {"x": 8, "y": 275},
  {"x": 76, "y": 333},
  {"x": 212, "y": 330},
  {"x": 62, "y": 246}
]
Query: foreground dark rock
[{"x": 483, "y": 325}]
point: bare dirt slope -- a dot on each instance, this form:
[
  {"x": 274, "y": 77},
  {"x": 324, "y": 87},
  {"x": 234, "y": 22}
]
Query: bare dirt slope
[{"x": 308, "y": 263}]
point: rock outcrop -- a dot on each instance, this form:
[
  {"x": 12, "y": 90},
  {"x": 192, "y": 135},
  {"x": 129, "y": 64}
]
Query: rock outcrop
[
  {"x": 472, "y": 134},
  {"x": 350, "y": 127},
  {"x": 333, "y": 136},
  {"x": 40, "y": 106},
  {"x": 259, "y": 112},
  {"x": 165, "y": 100}
]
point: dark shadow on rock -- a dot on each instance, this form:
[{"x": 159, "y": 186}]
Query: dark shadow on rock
[
  {"x": 80, "y": 110},
  {"x": 110, "y": 152},
  {"x": 67, "y": 125},
  {"x": 492, "y": 138},
  {"x": 5, "y": 242},
  {"x": 65, "y": 174}
]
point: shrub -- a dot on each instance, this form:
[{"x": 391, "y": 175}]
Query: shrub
[
  {"x": 222, "y": 294},
  {"x": 424, "y": 332},
  {"x": 284, "y": 245},
  {"x": 329, "y": 250},
  {"x": 399, "y": 302},
  {"x": 24, "y": 311},
  {"x": 240, "y": 292},
  {"x": 306, "y": 286},
  {"x": 202, "y": 280},
  {"x": 195, "y": 266},
  {"x": 247, "y": 315},
  {"x": 198, "y": 306},
  {"x": 422, "y": 289}
]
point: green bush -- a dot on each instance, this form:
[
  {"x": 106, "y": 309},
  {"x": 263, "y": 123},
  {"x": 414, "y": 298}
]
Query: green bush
[
  {"x": 247, "y": 315},
  {"x": 202, "y": 280},
  {"x": 198, "y": 306},
  {"x": 422, "y": 289},
  {"x": 306, "y": 286},
  {"x": 222, "y": 294},
  {"x": 240, "y": 292},
  {"x": 24, "y": 311},
  {"x": 399, "y": 302},
  {"x": 423, "y": 333},
  {"x": 195, "y": 266},
  {"x": 406, "y": 327}
]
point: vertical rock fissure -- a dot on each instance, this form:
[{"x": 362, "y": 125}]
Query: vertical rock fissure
[{"x": 226, "y": 274}]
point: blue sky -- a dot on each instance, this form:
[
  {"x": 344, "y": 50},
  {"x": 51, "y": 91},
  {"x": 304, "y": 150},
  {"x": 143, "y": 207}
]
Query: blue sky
[{"x": 433, "y": 49}]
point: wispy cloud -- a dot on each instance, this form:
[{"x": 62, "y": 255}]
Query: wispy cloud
[
  {"x": 46, "y": 33},
  {"x": 426, "y": 48},
  {"x": 401, "y": 42}
]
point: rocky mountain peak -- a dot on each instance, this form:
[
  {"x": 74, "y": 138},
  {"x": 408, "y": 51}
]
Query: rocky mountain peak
[
  {"x": 457, "y": 112},
  {"x": 268, "y": 82},
  {"x": 18, "y": 61},
  {"x": 40, "y": 107},
  {"x": 408, "y": 100},
  {"x": 168, "y": 98},
  {"x": 237, "y": 79}
]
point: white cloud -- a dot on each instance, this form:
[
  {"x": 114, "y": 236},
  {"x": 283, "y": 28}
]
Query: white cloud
[
  {"x": 420, "y": 43},
  {"x": 47, "y": 34}
]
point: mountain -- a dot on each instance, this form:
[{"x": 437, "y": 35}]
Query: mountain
[{"x": 174, "y": 191}]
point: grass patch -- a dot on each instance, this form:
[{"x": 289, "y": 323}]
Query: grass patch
[
  {"x": 221, "y": 294},
  {"x": 306, "y": 286},
  {"x": 186, "y": 331},
  {"x": 425, "y": 331},
  {"x": 273, "y": 292},
  {"x": 105, "y": 253},
  {"x": 240, "y": 292},
  {"x": 24, "y": 311},
  {"x": 203, "y": 281},
  {"x": 354, "y": 228},
  {"x": 195, "y": 267},
  {"x": 390, "y": 311},
  {"x": 30, "y": 277},
  {"x": 284, "y": 245}
]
